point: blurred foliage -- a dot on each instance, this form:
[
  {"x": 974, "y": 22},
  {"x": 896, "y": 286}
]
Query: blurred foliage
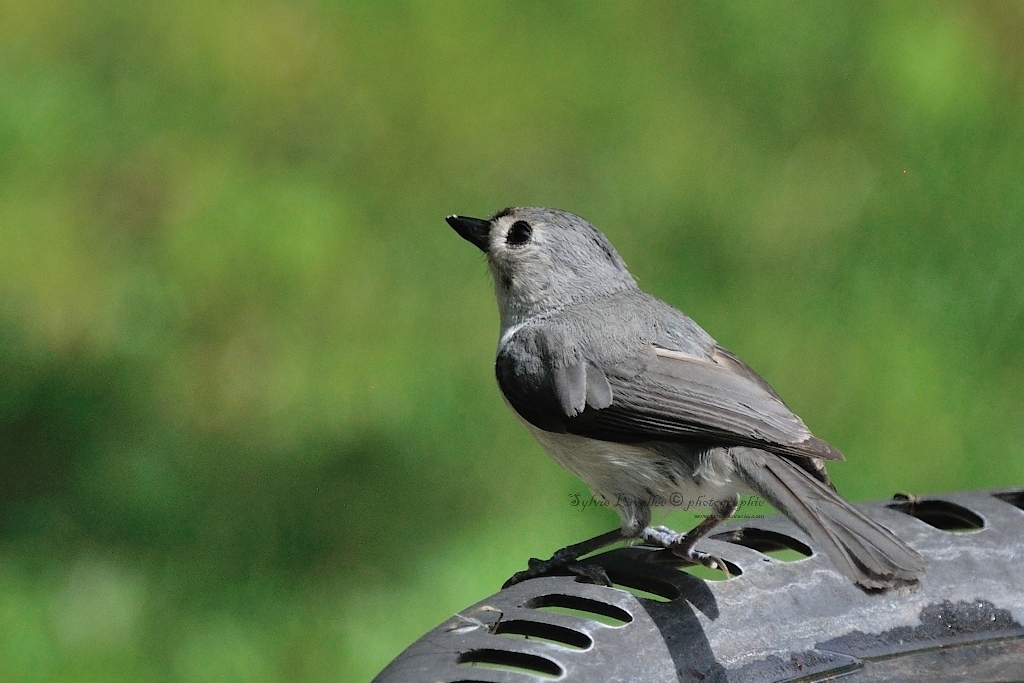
[{"x": 248, "y": 424}]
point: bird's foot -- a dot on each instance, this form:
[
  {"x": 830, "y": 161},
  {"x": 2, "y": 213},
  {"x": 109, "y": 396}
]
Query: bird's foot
[
  {"x": 561, "y": 564},
  {"x": 566, "y": 562},
  {"x": 682, "y": 546},
  {"x": 906, "y": 497}
]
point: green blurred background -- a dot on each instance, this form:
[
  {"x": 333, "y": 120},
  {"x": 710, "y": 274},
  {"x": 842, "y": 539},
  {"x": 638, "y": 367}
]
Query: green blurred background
[{"x": 249, "y": 429}]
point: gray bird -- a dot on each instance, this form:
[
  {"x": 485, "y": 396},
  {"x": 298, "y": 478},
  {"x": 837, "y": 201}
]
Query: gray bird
[{"x": 639, "y": 402}]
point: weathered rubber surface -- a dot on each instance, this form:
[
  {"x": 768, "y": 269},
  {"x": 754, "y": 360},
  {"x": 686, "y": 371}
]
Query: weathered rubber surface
[{"x": 771, "y": 621}]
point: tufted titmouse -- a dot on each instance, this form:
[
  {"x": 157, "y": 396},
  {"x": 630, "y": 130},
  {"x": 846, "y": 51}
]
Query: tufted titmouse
[{"x": 645, "y": 407}]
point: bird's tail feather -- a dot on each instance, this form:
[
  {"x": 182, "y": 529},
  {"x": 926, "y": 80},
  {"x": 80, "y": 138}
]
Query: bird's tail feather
[{"x": 860, "y": 548}]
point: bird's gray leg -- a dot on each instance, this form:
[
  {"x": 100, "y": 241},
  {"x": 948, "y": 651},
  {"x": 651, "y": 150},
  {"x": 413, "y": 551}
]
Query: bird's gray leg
[
  {"x": 566, "y": 560},
  {"x": 682, "y": 545}
]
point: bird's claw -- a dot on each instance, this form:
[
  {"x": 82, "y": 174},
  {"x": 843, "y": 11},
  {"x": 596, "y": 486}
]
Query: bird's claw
[
  {"x": 681, "y": 547},
  {"x": 590, "y": 573},
  {"x": 702, "y": 558},
  {"x": 561, "y": 565}
]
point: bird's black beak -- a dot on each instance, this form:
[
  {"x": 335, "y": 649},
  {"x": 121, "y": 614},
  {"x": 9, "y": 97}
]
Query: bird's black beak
[{"x": 474, "y": 230}]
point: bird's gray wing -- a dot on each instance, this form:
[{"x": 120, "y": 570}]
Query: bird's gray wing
[
  {"x": 718, "y": 400},
  {"x": 548, "y": 381},
  {"x": 657, "y": 394}
]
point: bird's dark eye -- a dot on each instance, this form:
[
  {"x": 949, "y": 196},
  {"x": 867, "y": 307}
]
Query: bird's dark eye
[{"x": 519, "y": 233}]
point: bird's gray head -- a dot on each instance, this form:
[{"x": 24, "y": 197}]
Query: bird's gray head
[{"x": 543, "y": 258}]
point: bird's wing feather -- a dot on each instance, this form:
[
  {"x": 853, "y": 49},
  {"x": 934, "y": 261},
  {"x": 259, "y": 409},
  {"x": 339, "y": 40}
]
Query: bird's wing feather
[
  {"x": 671, "y": 395},
  {"x": 716, "y": 400}
]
